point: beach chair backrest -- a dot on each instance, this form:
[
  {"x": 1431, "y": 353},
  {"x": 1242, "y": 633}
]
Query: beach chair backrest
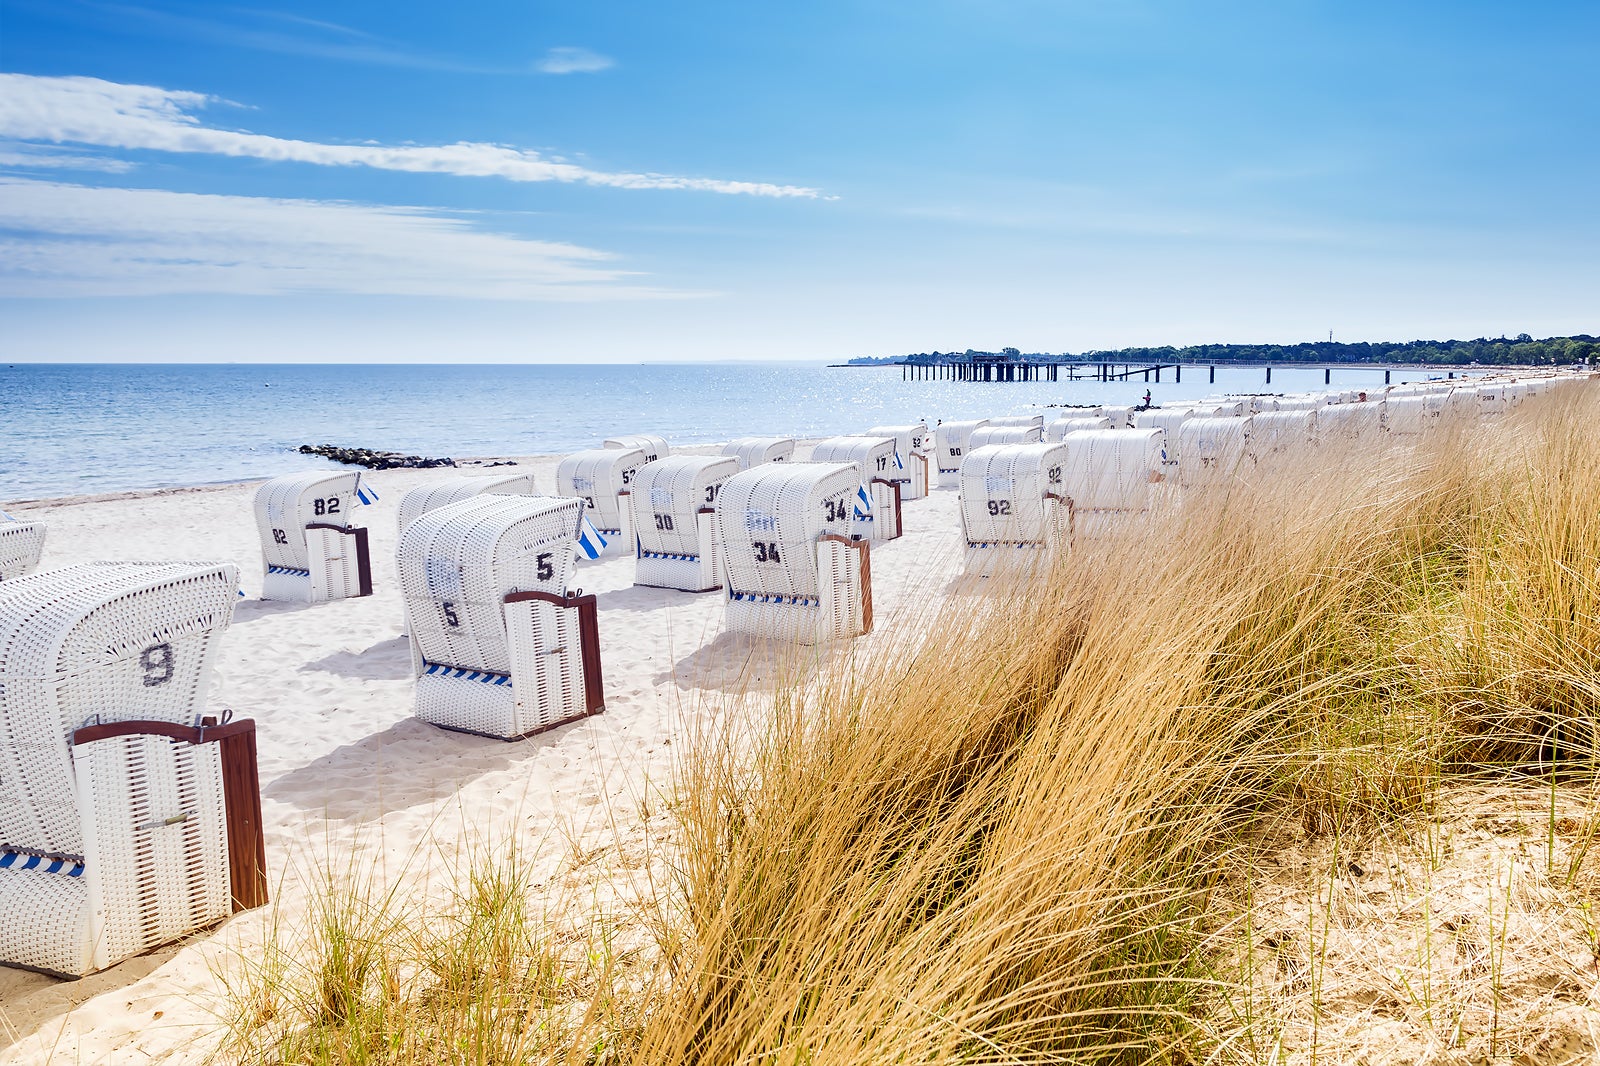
[
  {"x": 1405, "y": 414},
  {"x": 92, "y": 644},
  {"x": 1211, "y": 448},
  {"x": 21, "y": 544},
  {"x": 434, "y": 494},
  {"x": 1277, "y": 431},
  {"x": 1166, "y": 419},
  {"x": 950, "y": 440},
  {"x": 1346, "y": 421},
  {"x": 1120, "y": 416},
  {"x": 993, "y": 434},
  {"x": 596, "y": 476},
  {"x": 1054, "y": 431},
  {"x": 654, "y": 447},
  {"x": 667, "y": 498},
  {"x": 1003, "y": 490},
  {"x": 1020, "y": 421},
  {"x": 285, "y": 506},
  {"x": 1114, "y": 469},
  {"x": 907, "y": 439},
  {"x": 771, "y": 518},
  {"x": 875, "y": 457},
  {"x": 753, "y": 451},
  {"x": 458, "y": 563}
]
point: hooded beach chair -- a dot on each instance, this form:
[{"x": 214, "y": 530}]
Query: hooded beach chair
[
  {"x": 1406, "y": 416},
  {"x": 1113, "y": 476},
  {"x": 792, "y": 570},
  {"x": 601, "y": 477},
  {"x": 1035, "y": 422},
  {"x": 654, "y": 447},
  {"x": 877, "y": 510},
  {"x": 1166, "y": 419},
  {"x": 498, "y": 645},
  {"x": 911, "y": 445},
  {"x": 1276, "y": 432},
  {"x": 1121, "y": 416},
  {"x": 1349, "y": 421},
  {"x": 993, "y": 434},
  {"x": 1014, "y": 511},
  {"x": 950, "y": 442},
  {"x": 1210, "y": 450},
  {"x": 674, "y": 505},
  {"x": 310, "y": 547},
  {"x": 128, "y": 816},
  {"x": 21, "y": 544},
  {"x": 1060, "y": 427},
  {"x": 460, "y": 487},
  {"x": 753, "y": 451}
]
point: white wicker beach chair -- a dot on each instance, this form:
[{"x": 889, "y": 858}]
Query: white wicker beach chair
[
  {"x": 128, "y": 818},
  {"x": 1121, "y": 416},
  {"x": 993, "y": 434},
  {"x": 950, "y": 443},
  {"x": 877, "y": 512},
  {"x": 1166, "y": 419},
  {"x": 674, "y": 505},
  {"x": 601, "y": 477},
  {"x": 1406, "y": 416},
  {"x": 654, "y": 447},
  {"x": 911, "y": 444},
  {"x": 311, "y": 550},
  {"x": 1348, "y": 421},
  {"x": 425, "y": 498},
  {"x": 1113, "y": 476},
  {"x": 1210, "y": 450},
  {"x": 498, "y": 646},
  {"x": 793, "y": 572},
  {"x": 1491, "y": 399},
  {"x": 21, "y": 544},
  {"x": 1013, "y": 509},
  {"x": 1059, "y": 428},
  {"x": 753, "y": 451},
  {"x": 1020, "y": 421},
  {"x": 1275, "y": 432}
]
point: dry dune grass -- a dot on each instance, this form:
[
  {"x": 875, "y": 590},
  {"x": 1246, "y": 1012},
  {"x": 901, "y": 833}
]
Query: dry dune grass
[{"x": 1035, "y": 832}]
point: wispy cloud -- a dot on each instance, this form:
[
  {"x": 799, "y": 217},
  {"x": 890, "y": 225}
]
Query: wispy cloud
[
  {"x": 574, "y": 61},
  {"x": 59, "y": 240},
  {"x": 113, "y": 115},
  {"x": 15, "y": 155}
]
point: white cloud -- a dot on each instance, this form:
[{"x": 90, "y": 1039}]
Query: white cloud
[
  {"x": 17, "y": 156},
  {"x": 58, "y": 239},
  {"x": 574, "y": 61},
  {"x": 112, "y": 115}
]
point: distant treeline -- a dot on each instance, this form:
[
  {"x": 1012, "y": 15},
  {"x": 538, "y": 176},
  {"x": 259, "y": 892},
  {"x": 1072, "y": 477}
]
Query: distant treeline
[{"x": 1521, "y": 350}]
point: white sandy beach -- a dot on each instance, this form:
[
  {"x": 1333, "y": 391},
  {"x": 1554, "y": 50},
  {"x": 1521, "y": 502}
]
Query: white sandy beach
[{"x": 347, "y": 771}]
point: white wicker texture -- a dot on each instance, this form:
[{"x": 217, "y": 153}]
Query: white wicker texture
[
  {"x": 654, "y": 447},
  {"x": 674, "y": 505},
  {"x": 1054, "y": 431},
  {"x": 784, "y": 579},
  {"x": 1491, "y": 399},
  {"x": 911, "y": 463},
  {"x": 1011, "y": 498},
  {"x": 1113, "y": 470},
  {"x": 1210, "y": 450},
  {"x": 302, "y": 567},
  {"x": 1166, "y": 419},
  {"x": 950, "y": 441},
  {"x": 753, "y": 451},
  {"x": 21, "y": 544},
  {"x": 1406, "y": 415},
  {"x": 599, "y": 476},
  {"x": 1121, "y": 417},
  {"x": 993, "y": 434},
  {"x": 425, "y": 498},
  {"x": 125, "y": 837},
  {"x": 457, "y": 565},
  {"x": 1348, "y": 421},
  {"x": 1024, "y": 421},
  {"x": 1272, "y": 432}
]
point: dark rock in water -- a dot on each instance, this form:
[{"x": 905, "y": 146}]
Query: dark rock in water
[
  {"x": 373, "y": 460},
  {"x": 498, "y": 462}
]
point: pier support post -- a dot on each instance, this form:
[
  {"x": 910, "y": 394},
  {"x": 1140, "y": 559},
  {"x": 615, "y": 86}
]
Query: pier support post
[
  {"x": 1327, "y": 375},
  {"x": 1269, "y": 375},
  {"x": 1213, "y": 380}
]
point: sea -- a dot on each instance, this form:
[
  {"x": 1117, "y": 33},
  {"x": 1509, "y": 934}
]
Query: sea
[{"x": 77, "y": 429}]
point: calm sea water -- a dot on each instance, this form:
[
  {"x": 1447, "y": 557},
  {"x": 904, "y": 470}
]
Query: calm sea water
[{"x": 86, "y": 428}]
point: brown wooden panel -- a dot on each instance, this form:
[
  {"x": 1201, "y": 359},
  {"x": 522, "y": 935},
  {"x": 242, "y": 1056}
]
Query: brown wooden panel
[
  {"x": 895, "y": 485},
  {"x": 865, "y": 548}
]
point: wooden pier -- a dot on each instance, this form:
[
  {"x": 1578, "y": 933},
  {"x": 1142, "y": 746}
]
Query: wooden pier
[{"x": 987, "y": 367}]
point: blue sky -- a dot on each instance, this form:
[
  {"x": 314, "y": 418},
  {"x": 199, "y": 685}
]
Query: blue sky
[{"x": 630, "y": 181}]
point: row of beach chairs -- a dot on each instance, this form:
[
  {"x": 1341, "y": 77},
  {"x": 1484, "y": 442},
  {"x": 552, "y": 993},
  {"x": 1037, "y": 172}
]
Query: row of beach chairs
[{"x": 130, "y": 813}]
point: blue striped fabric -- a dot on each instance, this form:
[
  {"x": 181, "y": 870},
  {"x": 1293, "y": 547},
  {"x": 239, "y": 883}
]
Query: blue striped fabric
[
  {"x": 482, "y": 676},
  {"x": 781, "y": 601},
  {"x": 12, "y": 860},
  {"x": 288, "y": 570},
  {"x": 664, "y": 555}
]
